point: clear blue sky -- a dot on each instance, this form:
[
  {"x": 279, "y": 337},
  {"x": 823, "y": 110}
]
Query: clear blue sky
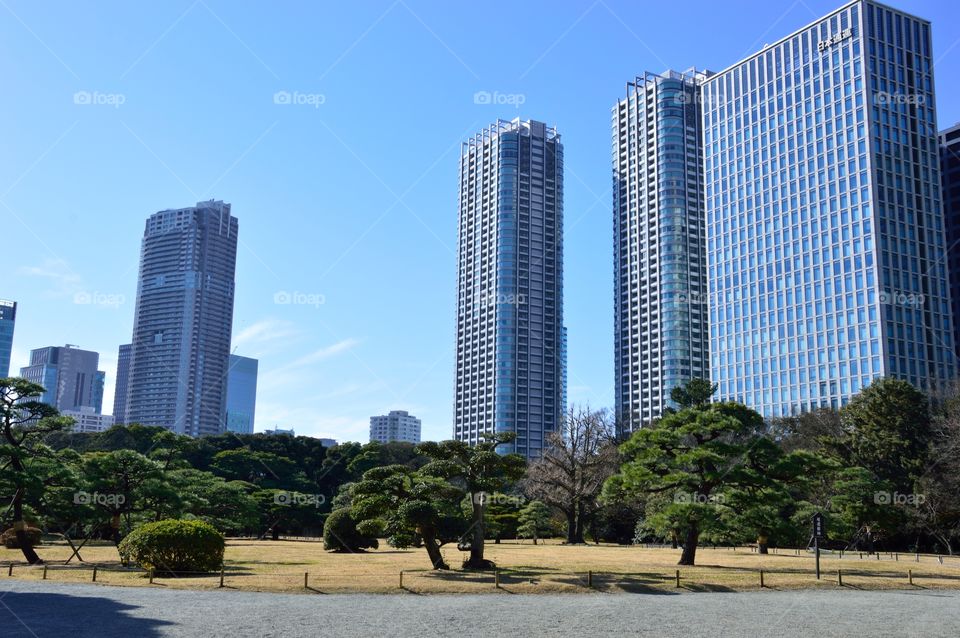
[{"x": 352, "y": 200}]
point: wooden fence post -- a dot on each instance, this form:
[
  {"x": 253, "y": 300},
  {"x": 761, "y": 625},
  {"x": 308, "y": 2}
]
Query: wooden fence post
[
  {"x": 840, "y": 577},
  {"x": 761, "y": 579},
  {"x": 910, "y": 576},
  {"x": 221, "y": 575},
  {"x": 496, "y": 577},
  {"x": 151, "y": 575},
  {"x": 401, "y": 579},
  {"x": 10, "y": 569},
  {"x": 306, "y": 580},
  {"x": 44, "y": 571},
  {"x": 590, "y": 578},
  {"x": 678, "y": 578},
  {"x": 94, "y": 574}
]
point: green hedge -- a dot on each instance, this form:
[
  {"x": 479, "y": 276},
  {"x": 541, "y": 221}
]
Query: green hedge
[
  {"x": 340, "y": 533},
  {"x": 174, "y": 547},
  {"x": 9, "y": 538}
]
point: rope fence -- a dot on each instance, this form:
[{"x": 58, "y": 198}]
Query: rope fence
[{"x": 527, "y": 579}]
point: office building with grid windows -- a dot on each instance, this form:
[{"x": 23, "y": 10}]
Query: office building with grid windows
[
  {"x": 660, "y": 307},
  {"x": 510, "y": 368},
  {"x": 8, "y": 321},
  {"x": 826, "y": 251},
  {"x": 950, "y": 175}
]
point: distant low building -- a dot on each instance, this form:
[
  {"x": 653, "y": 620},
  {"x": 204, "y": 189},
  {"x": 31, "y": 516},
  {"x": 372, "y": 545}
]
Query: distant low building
[
  {"x": 398, "y": 425},
  {"x": 277, "y": 430},
  {"x": 327, "y": 442},
  {"x": 87, "y": 420}
]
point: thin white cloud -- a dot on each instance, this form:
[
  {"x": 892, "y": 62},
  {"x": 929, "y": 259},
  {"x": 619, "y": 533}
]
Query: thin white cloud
[
  {"x": 58, "y": 272},
  {"x": 322, "y": 354},
  {"x": 265, "y": 331}
]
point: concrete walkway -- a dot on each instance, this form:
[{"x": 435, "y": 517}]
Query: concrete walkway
[{"x": 31, "y": 609}]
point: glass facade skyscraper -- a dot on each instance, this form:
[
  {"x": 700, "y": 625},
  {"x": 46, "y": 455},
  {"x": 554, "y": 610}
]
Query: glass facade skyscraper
[
  {"x": 510, "y": 372},
  {"x": 660, "y": 309},
  {"x": 242, "y": 394},
  {"x": 69, "y": 376},
  {"x": 121, "y": 383},
  {"x": 826, "y": 251},
  {"x": 183, "y": 320},
  {"x": 8, "y": 321},
  {"x": 950, "y": 174}
]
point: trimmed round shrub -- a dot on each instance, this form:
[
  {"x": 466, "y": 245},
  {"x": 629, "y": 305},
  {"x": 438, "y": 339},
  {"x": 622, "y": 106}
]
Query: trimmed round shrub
[
  {"x": 174, "y": 547},
  {"x": 9, "y": 538},
  {"x": 340, "y": 534}
]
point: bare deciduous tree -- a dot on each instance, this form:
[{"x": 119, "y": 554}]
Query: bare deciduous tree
[{"x": 576, "y": 461}]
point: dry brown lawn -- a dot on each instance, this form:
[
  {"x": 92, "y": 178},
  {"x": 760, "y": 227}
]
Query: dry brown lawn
[{"x": 280, "y": 566}]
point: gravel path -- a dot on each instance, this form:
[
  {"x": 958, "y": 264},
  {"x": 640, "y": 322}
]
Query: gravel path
[{"x": 38, "y": 610}]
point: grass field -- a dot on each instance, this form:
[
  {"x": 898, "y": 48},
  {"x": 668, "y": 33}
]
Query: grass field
[{"x": 280, "y": 566}]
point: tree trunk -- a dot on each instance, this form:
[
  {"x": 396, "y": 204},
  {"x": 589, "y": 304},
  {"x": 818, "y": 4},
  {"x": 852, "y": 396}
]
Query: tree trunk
[
  {"x": 673, "y": 539},
  {"x": 690, "y": 545},
  {"x": 762, "y": 545},
  {"x": 20, "y": 530},
  {"x": 275, "y": 533},
  {"x": 433, "y": 550},
  {"x": 571, "y": 527},
  {"x": 476, "y": 560}
]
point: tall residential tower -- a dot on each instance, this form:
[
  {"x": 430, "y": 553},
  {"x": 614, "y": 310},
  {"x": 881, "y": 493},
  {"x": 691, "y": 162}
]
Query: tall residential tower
[
  {"x": 826, "y": 253},
  {"x": 510, "y": 369},
  {"x": 183, "y": 320},
  {"x": 660, "y": 309}
]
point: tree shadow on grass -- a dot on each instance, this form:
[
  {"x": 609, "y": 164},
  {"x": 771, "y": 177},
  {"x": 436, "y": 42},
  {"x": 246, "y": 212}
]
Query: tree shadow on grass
[{"x": 29, "y": 614}]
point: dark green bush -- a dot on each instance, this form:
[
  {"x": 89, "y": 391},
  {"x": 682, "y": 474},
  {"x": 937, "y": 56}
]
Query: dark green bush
[
  {"x": 340, "y": 534},
  {"x": 10, "y": 541},
  {"x": 174, "y": 546}
]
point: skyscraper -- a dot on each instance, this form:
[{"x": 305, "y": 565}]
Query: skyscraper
[
  {"x": 660, "y": 310},
  {"x": 121, "y": 383},
  {"x": 825, "y": 232},
  {"x": 241, "y": 394},
  {"x": 70, "y": 377},
  {"x": 398, "y": 425},
  {"x": 509, "y": 375},
  {"x": 183, "y": 320},
  {"x": 950, "y": 174},
  {"x": 8, "y": 320}
]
